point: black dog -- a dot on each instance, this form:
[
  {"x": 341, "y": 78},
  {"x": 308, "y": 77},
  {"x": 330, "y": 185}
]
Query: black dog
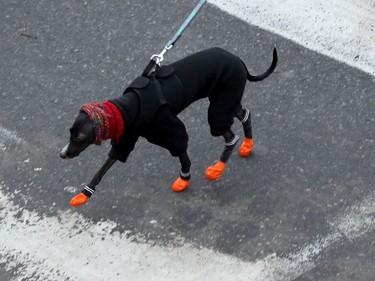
[{"x": 149, "y": 108}]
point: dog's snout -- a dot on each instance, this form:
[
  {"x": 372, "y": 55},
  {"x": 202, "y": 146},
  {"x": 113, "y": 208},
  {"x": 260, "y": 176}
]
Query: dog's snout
[
  {"x": 62, "y": 155},
  {"x": 63, "y": 152}
]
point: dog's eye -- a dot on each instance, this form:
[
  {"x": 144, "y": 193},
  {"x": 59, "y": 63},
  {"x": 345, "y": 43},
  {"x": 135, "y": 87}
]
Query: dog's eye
[{"x": 80, "y": 137}]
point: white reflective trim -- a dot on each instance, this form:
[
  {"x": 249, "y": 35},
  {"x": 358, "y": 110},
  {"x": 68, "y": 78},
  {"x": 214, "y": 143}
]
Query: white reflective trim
[
  {"x": 185, "y": 175},
  {"x": 246, "y": 116},
  {"x": 89, "y": 189},
  {"x": 232, "y": 142}
]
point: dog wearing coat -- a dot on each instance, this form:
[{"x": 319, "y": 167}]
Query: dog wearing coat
[{"x": 149, "y": 107}]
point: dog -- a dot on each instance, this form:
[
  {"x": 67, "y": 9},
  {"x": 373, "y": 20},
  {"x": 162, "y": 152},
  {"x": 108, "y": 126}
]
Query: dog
[{"x": 149, "y": 107}]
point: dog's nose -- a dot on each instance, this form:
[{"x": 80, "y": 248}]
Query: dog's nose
[{"x": 63, "y": 152}]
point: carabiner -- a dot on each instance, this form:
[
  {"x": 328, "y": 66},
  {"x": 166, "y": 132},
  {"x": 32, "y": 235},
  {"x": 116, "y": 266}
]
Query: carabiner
[{"x": 160, "y": 57}]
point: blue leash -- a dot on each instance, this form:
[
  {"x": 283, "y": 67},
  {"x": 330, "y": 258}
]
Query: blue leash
[
  {"x": 185, "y": 24},
  {"x": 158, "y": 58}
]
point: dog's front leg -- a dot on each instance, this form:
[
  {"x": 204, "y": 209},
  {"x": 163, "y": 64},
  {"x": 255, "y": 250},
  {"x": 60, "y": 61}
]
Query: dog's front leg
[
  {"x": 89, "y": 189},
  {"x": 182, "y": 182},
  {"x": 215, "y": 171}
]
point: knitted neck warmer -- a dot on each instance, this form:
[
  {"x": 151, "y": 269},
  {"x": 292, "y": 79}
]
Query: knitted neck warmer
[{"x": 107, "y": 120}]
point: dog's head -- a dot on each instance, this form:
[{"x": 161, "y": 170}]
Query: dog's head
[{"x": 82, "y": 134}]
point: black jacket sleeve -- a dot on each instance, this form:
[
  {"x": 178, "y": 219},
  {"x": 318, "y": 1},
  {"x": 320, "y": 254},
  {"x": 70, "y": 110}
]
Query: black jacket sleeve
[{"x": 121, "y": 150}]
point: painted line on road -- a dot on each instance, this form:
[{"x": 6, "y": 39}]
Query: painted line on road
[
  {"x": 70, "y": 246},
  {"x": 351, "y": 224},
  {"x": 8, "y": 137},
  {"x": 39, "y": 247},
  {"x": 341, "y": 29}
]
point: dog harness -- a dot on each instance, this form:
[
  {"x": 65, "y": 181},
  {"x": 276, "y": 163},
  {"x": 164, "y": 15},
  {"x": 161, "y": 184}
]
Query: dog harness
[
  {"x": 151, "y": 92},
  {"x": 149, "y": 107}
]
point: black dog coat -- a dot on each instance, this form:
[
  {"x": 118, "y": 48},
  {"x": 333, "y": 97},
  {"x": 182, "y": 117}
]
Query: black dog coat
[{"x": 150, "y": 107}]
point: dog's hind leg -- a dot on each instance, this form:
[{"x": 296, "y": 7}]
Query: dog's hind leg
[
  {"x": 215, "y": 171},
  {"x": 247, "y": 145},
  {"x": 182, "y": 182}
]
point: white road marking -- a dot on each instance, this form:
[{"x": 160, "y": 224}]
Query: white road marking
[
  {"x": 351, "y": 224},
  {"x": 7, "y": 137},
  {"x": 71, "y": 189},
  {"x": 341, "y": 29},
  {"x": 73, "y": 247},
  {"x": 39, "y": 247}
]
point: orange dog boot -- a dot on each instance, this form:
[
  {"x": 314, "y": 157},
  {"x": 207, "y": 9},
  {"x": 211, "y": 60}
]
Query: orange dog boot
[
  {"x": 246, "y": 147},
  {"x": 216, "y": 171},
  {"x": 78, "y": 200},
  {"x": 180, "y": 185}
]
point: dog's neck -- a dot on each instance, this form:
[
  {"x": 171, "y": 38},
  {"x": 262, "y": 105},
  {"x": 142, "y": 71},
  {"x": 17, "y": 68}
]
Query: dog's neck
[{"x": 107, "y": 120}]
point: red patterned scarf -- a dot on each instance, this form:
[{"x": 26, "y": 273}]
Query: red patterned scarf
[{"x": 107, "y": 120}]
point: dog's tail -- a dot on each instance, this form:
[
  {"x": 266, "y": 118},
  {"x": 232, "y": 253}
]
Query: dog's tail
[{"x": 255, "y": 78}]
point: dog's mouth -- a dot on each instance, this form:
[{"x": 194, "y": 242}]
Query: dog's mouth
[
  {"x": 73, "y": 149},
  {"x": 64, "y": 153}
]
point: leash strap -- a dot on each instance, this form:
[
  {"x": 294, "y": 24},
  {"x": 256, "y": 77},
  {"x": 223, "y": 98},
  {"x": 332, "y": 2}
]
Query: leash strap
[
  {"x": 149, "y": 67},
  {"x": 156, "y": 59},
  {"x": 186, "y": 23}
]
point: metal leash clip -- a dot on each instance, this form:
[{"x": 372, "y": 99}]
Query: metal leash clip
[
  {"x": 160, "y": 57},
  {"x": 157, "y": 59}
]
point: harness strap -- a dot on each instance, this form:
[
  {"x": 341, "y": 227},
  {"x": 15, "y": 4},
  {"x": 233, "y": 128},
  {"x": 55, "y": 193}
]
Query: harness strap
[
  {"x": 159, "y": 91},
  {"x": 149, "y": 67}
]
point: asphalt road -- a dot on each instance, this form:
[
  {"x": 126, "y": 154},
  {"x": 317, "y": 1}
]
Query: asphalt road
[{"x": 313, "y": 123}]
